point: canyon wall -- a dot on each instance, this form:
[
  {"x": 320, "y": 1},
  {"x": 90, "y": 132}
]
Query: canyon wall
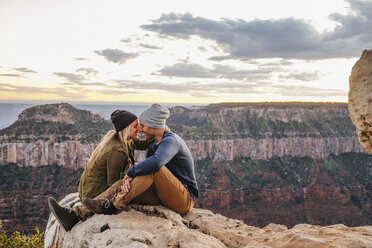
[
  {"x": 286, "y": 163},
  {"x": 221, "y": 132}
]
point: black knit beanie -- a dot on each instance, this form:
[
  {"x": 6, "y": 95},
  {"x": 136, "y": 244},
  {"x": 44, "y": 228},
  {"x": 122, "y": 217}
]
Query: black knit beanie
[{"x": 121, "y": 119}]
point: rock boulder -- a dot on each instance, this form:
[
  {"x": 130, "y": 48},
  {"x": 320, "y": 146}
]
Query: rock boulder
[
  {"x": 360, "y": 98},
  {"x": 157, "y": 226}
]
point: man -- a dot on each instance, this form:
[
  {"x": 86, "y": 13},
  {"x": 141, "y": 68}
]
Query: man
[{"x": 166, "y": 176}]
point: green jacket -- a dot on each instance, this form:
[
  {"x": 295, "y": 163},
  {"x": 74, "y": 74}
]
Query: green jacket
[{"x": 112, "y": 166}]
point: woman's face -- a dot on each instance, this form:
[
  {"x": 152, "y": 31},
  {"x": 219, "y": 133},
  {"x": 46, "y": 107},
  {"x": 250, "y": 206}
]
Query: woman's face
[{"x": 133, "y": 132}]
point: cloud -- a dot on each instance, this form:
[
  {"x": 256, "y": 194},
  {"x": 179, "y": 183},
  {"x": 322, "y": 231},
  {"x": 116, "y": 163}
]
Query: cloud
[
  {"x": 307, "y": 91},
  {"x": 116, "y": 55},
  {"x": 67, "y": 93},
  {"x": 149, "y": 46},
  {"x": 123, "y": 92},
  {"x": 220, "y": 58},
  {"x": 74, "y": 78},
  {"x": 88, "y": 71},
  {"x": 126, "y": 40},
  {"x": 186, "y": 70},
  {"x": 81, "y": 59},
  {"x": 86, "y": 84},
  {"x": 207, "y": 90},
  {"x": 23, "y": 69},
  {"x": 192, "y": 87},
  {"x": 351, "y": 25},
  {"x": 218, "y": 71},
  {"x": 25, "y": 89},
  {"x": 77, "y": 79},
  {"x": 282, "y": 38},
  {"x": 11, "y": 75},
  {"x": 302, "y": 76}
]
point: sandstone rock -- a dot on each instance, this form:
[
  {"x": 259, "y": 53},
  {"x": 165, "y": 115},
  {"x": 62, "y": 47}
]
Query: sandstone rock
[
  {"x": 71, "y": 153},
  {"x": 157, "y": 226},
  {"x": 75, "y": 154},
  {"x": 250, "y": 130},
  {"x": 360, "y": 98}
]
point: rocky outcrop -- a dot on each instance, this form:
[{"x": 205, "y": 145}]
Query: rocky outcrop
[
  {"x": 71, "y": 153},
  {"x": 60, "y": 134},
  {"x": 75, "y": 154},
  {"x": 289, "y": 190},
  {"x": 52, "y": 134},
  {"x": 60, "y": 122},
  {"x": 316, "y": 148},
  {"x": 360, "y": 98},
  {"x": 24, "y": 192},
  {"x": 286, "y": 163},
  {"x": 265, "y": 130},
  {"x": 156, "y": 226}
]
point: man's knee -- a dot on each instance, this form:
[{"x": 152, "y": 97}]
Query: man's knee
[
  {"x": 143, "y": 180},
  {"x": 164, "y": 171}
]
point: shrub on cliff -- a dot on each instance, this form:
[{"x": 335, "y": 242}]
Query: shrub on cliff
[{"x": 18, "y": 240}]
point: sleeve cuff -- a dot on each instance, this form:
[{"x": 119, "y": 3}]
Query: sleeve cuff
[{"x": 130, "y": 171}]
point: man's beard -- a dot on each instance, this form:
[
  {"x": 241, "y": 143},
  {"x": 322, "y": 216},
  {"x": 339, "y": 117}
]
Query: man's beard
[
  {"x": 150, "y": 136},
  {"x": 147, "y": 136}
]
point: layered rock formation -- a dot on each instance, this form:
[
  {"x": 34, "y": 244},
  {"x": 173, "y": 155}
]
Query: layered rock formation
[
  {"x": 265, "y": 130},
  {"x": 360, "y": 98},
  {"x": 221, "y": 131},
  {"x": 289, "y": 190},
  {"x": 286, "y": 163},
  {"x": 52, "y": 134},
  {"x": 24, "y": 192},
  {"x": 156, "y": 226}
]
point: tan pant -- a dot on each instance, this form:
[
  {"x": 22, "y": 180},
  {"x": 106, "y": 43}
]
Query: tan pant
[
  {"x": 84, "y": 212},
  {"x": 161, "y": 187}
]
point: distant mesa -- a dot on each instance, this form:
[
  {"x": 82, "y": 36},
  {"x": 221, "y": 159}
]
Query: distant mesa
[
  {"x": 61, "y": 119},
  {"x": 59, "y": 112},
  {"x": 360, "y": 99}
]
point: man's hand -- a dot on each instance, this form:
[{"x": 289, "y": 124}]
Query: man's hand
[{"x": 125, "y": 187}]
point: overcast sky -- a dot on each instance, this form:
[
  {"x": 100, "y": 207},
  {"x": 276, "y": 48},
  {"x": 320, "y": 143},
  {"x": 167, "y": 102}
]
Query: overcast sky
[{"x": 186, "y": 52}]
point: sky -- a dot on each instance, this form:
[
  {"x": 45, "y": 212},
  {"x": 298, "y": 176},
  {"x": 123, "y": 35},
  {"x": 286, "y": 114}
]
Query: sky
[{"x": 181, "y": 52}]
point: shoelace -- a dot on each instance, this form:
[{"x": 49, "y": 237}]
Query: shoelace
[
  {"x": 69, "y": 209},
  {"x": 106, "y": 203}
]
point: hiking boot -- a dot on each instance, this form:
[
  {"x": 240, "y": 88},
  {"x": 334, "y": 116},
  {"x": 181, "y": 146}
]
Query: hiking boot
[
  {"x": 100, "y": 206},
  {"x": 67, "y": 217}
]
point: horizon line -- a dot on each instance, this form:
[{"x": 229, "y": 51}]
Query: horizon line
[{"x": 139, "y": 102}]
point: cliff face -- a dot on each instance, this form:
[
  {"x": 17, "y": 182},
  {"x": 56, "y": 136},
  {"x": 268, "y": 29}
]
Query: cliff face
[
  {"x": 71, "y": 153},
  {"x": 25, "y": 190},
  {"x": 156, "y": 226},
  {"x": 360, "y": 98},
  {"x": 286, "y": 163},
  {"x": 265, "y": 130},
  {"x": 290, "y": 190},
  {"x": 316, "y": 148},
  {"x": 222, "y": 132},
  {"x": 52, "y": 134}
]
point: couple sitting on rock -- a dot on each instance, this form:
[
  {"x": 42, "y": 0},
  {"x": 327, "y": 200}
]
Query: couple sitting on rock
[{"x": 111, "y": 179}]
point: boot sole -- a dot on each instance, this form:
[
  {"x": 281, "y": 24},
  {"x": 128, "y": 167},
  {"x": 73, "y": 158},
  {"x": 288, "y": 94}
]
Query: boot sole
[{"x": 51, "y": 208}]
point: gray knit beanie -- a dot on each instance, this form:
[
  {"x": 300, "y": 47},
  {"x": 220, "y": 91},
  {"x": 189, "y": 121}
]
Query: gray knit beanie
[{"x": 155, "y": 116}]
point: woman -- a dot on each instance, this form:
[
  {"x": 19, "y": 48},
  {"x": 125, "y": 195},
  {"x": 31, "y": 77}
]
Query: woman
[{"x": 113, "y": 156}]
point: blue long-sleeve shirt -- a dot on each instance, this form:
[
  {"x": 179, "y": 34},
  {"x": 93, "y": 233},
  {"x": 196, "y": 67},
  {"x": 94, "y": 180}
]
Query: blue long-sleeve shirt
[{"x": 172, "y": 152}]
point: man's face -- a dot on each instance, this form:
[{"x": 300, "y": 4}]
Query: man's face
[
  {"x": 133, "y": 132},
  {"x": 146, "y": 130}
]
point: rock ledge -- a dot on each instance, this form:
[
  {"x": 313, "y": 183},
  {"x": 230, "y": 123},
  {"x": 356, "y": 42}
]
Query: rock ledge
[{"x": 157, "y": 226}]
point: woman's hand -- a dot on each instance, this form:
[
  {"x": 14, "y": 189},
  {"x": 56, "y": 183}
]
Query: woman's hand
[{"x": 125, "y": 187}]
